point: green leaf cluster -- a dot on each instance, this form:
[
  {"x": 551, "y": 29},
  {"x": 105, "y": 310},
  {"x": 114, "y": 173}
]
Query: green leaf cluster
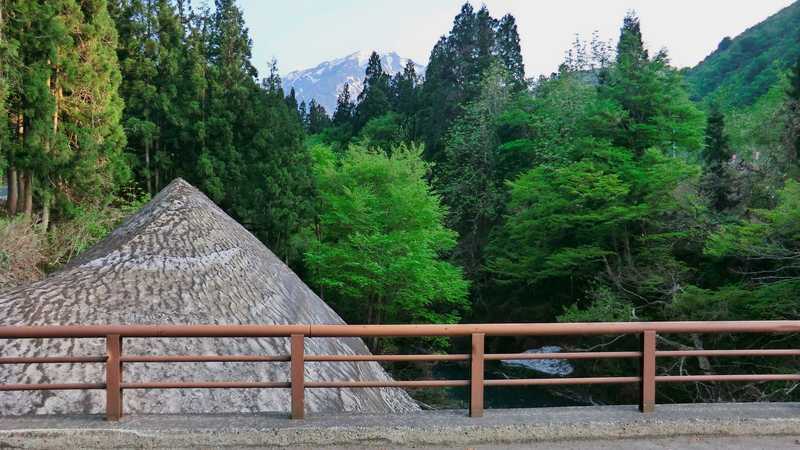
[{"x": 377, "y": 251}]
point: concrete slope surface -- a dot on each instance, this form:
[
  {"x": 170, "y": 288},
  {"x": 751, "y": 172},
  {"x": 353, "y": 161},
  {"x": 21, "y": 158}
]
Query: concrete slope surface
[{"x": 180, "y": 260}]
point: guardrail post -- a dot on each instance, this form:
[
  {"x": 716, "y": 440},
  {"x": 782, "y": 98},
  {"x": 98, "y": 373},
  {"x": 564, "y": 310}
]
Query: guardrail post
[
  {"x": 297, "y": 376},
  {"x": 476, "y": 376},
  {"x": 647, "y": 396},
  {"x": 113, "y": 377}
]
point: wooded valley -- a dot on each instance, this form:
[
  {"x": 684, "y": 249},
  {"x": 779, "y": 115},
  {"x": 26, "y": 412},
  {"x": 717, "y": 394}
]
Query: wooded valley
[{"x": 618, "y": 188}]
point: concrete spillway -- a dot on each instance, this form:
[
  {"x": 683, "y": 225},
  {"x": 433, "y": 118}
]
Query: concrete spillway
[{"x": 180, "y": 260}]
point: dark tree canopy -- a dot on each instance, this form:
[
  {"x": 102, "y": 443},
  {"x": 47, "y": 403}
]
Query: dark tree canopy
[
  {"x": 344, "y": 107},
  {"x": 456, "y": 68},
  {"x": 374, "y": 99}
]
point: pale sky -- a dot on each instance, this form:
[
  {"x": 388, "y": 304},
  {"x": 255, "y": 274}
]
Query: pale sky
[{"x": 303, "y": 33}]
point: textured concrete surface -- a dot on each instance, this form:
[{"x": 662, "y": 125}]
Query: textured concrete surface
[
  {"x": 521, "y": 428},
  {"x": 180, "y": 260}
]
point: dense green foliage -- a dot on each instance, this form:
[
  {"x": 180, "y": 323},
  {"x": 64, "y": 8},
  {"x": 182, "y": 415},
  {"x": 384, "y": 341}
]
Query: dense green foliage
[
  {"x": 602, "y": 214},
  {"x": 470, "y": 176},
  {"x": 195, "y": 110},
  {"x": 376, "y": 255},
  {"x": 456, "y": 68},
  {"x": 744, "y": 68},
  {"x": 63, "y": 138}
]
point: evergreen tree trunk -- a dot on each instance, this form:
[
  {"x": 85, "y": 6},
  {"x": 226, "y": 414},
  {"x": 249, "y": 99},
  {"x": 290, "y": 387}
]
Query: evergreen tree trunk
[
  {"x": 21, "y": 195},
  {"x": 147, "y": 166},
  {"x": 16, "y": 187},
  {"x": 45, "y": 212},
  {"x": 11, "y": 173},
  {"x": 28, "y": 211},
  {"x": 11, "y": 200}
]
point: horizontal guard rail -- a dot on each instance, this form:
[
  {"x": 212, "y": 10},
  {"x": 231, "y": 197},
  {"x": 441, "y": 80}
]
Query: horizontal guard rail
[
  {"x": 53, "y": 359},
  {"x": 647, "y": 379},
  {"x": 381, "y": 384},
  {"x": 312, "y": 331},
  {"x": 209, "y": 385},
  {"x": 752, "y": 352},
  {"x": 389, "y": 358},
  {"x": 204, "y": 358},
  {"x": 53, "y": 387},
  {"x": 566, "y": 355},
  {"x": 558, "y": 381}
]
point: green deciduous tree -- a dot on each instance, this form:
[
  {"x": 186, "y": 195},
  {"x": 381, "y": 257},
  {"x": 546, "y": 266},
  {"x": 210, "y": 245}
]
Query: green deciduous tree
[
  {"x": 605, "y": 215},
  {"x": 470, "y": 180},
  {"x": 385, "y": 132},
  {"x": 765, "y": 252},
  {"x": 609, "y": 209},
  {"x": 377, "y": 252},
  {"x": 793, "y": 112}
]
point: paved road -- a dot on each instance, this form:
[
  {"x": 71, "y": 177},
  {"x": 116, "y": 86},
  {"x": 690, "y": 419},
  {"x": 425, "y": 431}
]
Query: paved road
[
  {"x": 727, "y": 426},
  {"x": 678, "y": 443}
]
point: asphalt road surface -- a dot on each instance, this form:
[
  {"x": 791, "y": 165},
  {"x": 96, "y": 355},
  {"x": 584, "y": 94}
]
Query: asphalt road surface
[{"x": 677, "y": 443}]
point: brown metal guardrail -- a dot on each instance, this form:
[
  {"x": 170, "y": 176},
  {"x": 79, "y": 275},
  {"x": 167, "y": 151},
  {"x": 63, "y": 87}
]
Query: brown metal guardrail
[{"x": 647, "y": 378}]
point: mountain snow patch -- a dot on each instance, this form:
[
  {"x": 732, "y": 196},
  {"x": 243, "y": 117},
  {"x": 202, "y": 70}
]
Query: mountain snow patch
[{"x": 326, "y": 80}]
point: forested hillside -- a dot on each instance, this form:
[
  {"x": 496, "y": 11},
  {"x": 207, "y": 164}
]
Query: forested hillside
[
  {"x": 600, "y": 193},
  {"x": 744, "y": 68}
]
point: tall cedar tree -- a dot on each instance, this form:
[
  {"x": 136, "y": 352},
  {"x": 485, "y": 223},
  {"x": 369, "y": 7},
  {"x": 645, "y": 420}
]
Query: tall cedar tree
[
  {"x": 404, "y": 88},
  {"x": 373, "y": 101},
  {"x": 171, "y": 60},
  {"x": 256, "y": 166},
  {"x": 317, "y": 119},
  {"x": 193, "y": 95},
  {"x": 231, "y": 84},
  {"x": 509, "y": 52},
  {"x": 189, "y": 77},
  {"x": 66, "y": 110},
  {"x": 344, "y": 107},
  {"x": 658, "y": 110},
  {"x": 9, "y": 78},
  {"x": 719, "y": 178},
  {"x": 151, "y": 55},
  {"x": 291, "y": 101},
  {"x": 302, "y": 112},
  {"x": 456, "y": 67}
]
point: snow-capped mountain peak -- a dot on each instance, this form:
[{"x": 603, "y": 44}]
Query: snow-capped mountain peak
[{"x": 324, "y": 81}]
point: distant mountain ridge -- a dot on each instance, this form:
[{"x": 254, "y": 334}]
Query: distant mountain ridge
[
  {"x": 742, "y": 69},
  {"x": 324, "y": 82}
]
